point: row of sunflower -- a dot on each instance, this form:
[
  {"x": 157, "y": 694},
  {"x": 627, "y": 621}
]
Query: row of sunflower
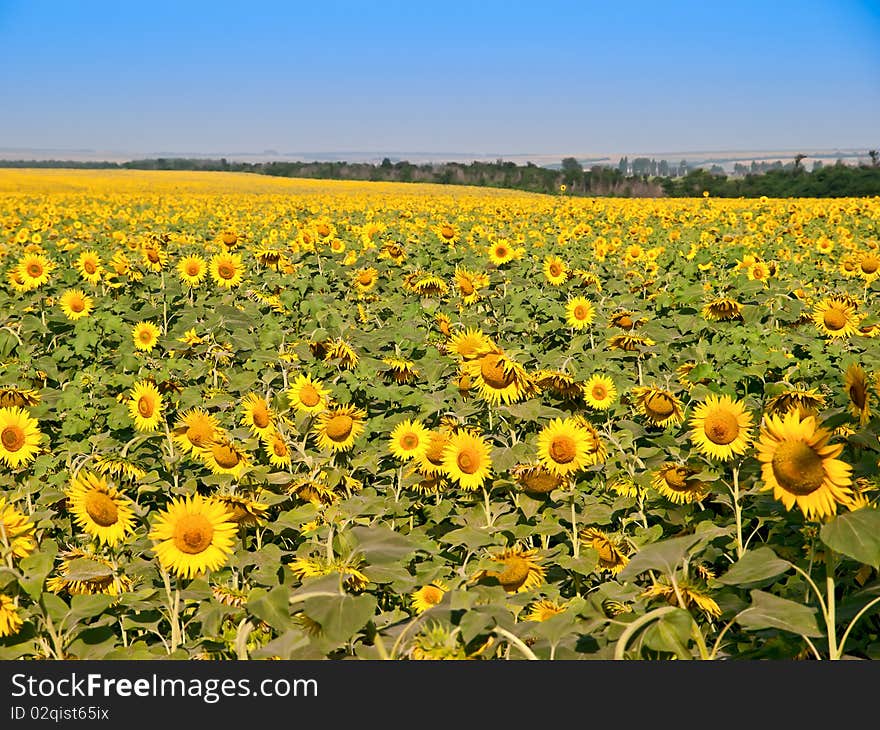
[{"x": 419, "y": 401}]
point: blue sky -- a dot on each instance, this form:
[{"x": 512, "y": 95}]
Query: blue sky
[{"x": 474, "y": 77}]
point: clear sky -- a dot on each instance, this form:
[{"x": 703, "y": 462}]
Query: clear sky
[{"x": 492, "y": 76}]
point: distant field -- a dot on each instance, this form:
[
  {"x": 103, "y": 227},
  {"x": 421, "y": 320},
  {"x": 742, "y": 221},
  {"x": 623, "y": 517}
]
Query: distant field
[{"x": 252, "y": 417}]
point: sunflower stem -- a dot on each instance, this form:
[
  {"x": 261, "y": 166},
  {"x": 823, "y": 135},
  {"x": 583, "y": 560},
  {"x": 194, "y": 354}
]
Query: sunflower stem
[
  {"x": 830, "y": 613},
  {"x": 737, "y": 511},
  {"x": 487, "y": 508},
  {"x": 575, "y": 544},
  {"x": 173, "y": 611},
  {"x": 632, "y": 628}
]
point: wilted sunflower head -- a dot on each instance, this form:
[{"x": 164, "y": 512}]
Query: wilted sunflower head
[
  {"x": 722, "y": 309},
  {"x": 661, "y": 407},
  {"x": 676, "y": 483},
  {"x": 806, "y": 401},
  {"x": 536, "y": 479}
]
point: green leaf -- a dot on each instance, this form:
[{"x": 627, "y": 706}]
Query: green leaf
[
  {"x": 340, "y": 618},
  {"x": 36, "y": 567},
  {"x": 271, "y": 607},
  {"x": 666, "y": 555},
  {"x": 771, "y": 612},
  {"x": 671, "y": 633},
  {"x": 380, "y": 544},
  {"x": 856, "y": 535},
  {"x": 84, "y": 569},
  {"x": 754, "y": 566}
]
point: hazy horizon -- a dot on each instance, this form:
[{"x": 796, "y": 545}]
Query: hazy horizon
[{"x": 493, "y": 78}]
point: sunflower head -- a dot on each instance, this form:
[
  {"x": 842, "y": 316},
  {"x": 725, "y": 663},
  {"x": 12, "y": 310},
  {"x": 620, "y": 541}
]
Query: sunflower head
[
  {"x": 661, "y": 407},
  {"x": 518, "y": 569}
]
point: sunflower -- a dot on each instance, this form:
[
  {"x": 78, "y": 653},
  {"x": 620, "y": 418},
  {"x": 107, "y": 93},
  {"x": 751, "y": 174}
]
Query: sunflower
[
  {"x": 448, "y": 233},
  {"x": 469, "y": 284},
  {"x": 244, "y": 509},
  {"x": 430, "y": 463},
  {"x": 600, "y": 392},
  {"x": 564, "y": 446},
  {"x": 409, "y": 440},
  {"x": 33, "y": 270},
  {"x": 536, "y": 479},
  {"x": 257, "y": 415},
  {"x": 348, "y": 569},
  {"x": 154, "y": 256},
  {"x": 99, "y": 508},
  {"x": 674, "y": 482},
  {"x": 196, "y": 429},
  {"x": 145, "y": 336},
  {"x": 426, "y": 285},
  {"x": 121, "y": 467},
  {"x": 856, "y": 384},
  {"x": 338, "y": 349},
  {"x": 555, "y": 270},
  {"x": 500, "y": 252},
  {"x": 11, "y": 395},
  {"x": 720, "y": 427},
  {"x": 692, "y": 596},
  {"x": 836, "y": 318},
  {"x": 623, "y": 319},
  {"x": 227, "y": 269},
  {"x": 19, "y": 437},
  {"x": 103, "y": 577},
  {"x": 193, "y": 535},
  {"x": 722, "y": 309},
  {"x": 401, "y": 370},
  {"x": 467, "y": 460},
  {"x": 364, "y": 280},
  {"x": 660, "y": 407},
  {"x": 629, "y": 343},
  {"x": 612, "y": 556},
  {"x": 88, "y": 264},
  {"x": 520, "y": 571},
  {"x": 758, "y": 271},
  {"x": 428, "y": 596},
  {"x": 277, "y": 449},
  {"x": 868, "y": 266},
  {"x": 16, "y": 531},
  {"x": 801, "y": 468},
  {"x": 10, "y": 620},
  {"x": 338, "y": 427},
  {"x": 579, "y": 313},
  {"x": 145, "y": 406},
  {"x": 223, "y": 456},
  {"x": 192, "y": 270},
  {"x": 308, "y": 395},
  {"x": 545, "y": 609},
  {"x": 75, "y": 304},
  {"x": 498, "y": 378},
  {"x": 470, "y": 344},
  {"x": 596, "y": 451},
  {"x": 805, "y": 401}
]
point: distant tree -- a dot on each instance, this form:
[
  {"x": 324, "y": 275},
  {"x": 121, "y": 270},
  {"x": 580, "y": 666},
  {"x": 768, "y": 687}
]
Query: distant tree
[
  {"x": 875, "y": 157},
  {"x": 386, "y": 163},
  {"x": 572, "y": 172},
  {"x": 817, "y": 165},
  {"x": 663, "y": 168},
  {"x": 798, "y": 159},
  {"x": 623, "y": 166}
]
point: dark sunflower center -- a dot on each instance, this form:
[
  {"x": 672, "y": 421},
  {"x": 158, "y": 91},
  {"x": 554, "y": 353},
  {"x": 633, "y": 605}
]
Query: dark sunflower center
[
  {"x": 226, "y": 456},
  {"x": 226, "y": 270},
  {"x": 468, "y": 460},
  {"x": 365, "y": 278},
  {"x": 12, "y": 438},
  {"x": 199, "y": 434},
  {"x": 835, "y": 318},
  {"x": 308, "y": 395},
  {"x": 659, "y": 406},
  {"x": 339, "y": 427},
  {"x": 540, "y": 482},
  {"x": 323, "y": 230},
  {"x": 501, "y": 252},
  {"x": 599, "y": 391},
  {"x": 280, "y": 448},
  {"x": 581, "y": 312},
  {"x": 466, "y": 286},
  {"x": 721, "y": 427},
  {"x": 77, "y": 305},
  {"x": 193, "y": 534},
  {"x": 516, "y": 570},
  {"x": 260, "y": 416},
  {"x": 676, "y": 479},
  {"x": 798, "y": 468},
  {"x": 193, "y": 268},
  {"x": 555, "y": 270},
  {"x": 90, "y": 267},
  {"x": 447, "y": 232},
  {"x": 563, "y": 449},
  {"x": 145, "y": 406},
  {"x": 153, "y": 256},
  {"x": 35, "y": 269},
  {"x": 870, "y": 264},
  {"x": 101, "y": 508},
  {"x": 624, "y": 322},
  {"x": 493, "y": 373},
  {"x": 145, "y": 336},
  {"x": 409, "y": 441},
  {"x": 432, "y": 595}
]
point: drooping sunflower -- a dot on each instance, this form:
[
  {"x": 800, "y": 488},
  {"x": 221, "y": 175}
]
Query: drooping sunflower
[
  {"x": 579, "y": 313},
  {"x": 154, "y": 255},
  {"x": 558, "y": 382},
  {"x": 623, "y": 319},
  {"x": 467, "y": 460},
  {"x": 836, "y": 318},
  {"x": 244, "y": 509},
  {"x": 145, "y": 406},
  {"x": 257, "y": 415},
  {"x": 193, "y": 535},
  {"x": 470, "y": 344},
  {"x": 661, "y": 407},
  {"x": 426, "y": 284},
  {"x": 469, "y": 284},
  {"x": 801, "y": 467},
  {"x": 722, "y": 309},
  {"x": 121, "y": 467},
  {"x": 856, "y": 384},
  {"x": 519, "y": 569},
  {"x": 536, "y": 479},
  {"x": 88, "y": 264},
  {"x": 76, "y": 304},
  {"x": 16, "y": 531},
  {"x": 409, "y": 440},
  {"x": 224, "y": 456},
  {"x": 545, "y": 609},
  {"x": 430, "y": 463},
  {"x": 277, "y": 449},
  {"x": 10, "y": 619},
  {"x": 99, "y": 508},
  {"x": 192, "y": 270},
  {"x": 676, "y": 483},
  {"x": 145, "y": 336},
  {"x": 428, "y": 596},
  {"x": 400, "y": 369},
  {"x": 555, "y": 270},
  {"x": 721, "y": 427},
  {"x": 596, "y": 451},
  {"x": 33, "y": 270},
  {"x": 11, "y": 395},
  {"x": 104, "y": 577},
  {"x": 338, "y": 349},
  {"x": 227, "y": 269},
  {"x": 498, "y": 378},
  {"x": 564, "y": 446},
  {"x": 308, "y": 395},
  {"x": 196, "y": 429},
  {"x": 20, "y": 437},
  {"x": 692, "y": 596},
  {"x": 338, "y": 427},
  {"x": 611, "y": 550},
  {"x": 805, "y": 401},
  {"x": 600, "y": 392}
]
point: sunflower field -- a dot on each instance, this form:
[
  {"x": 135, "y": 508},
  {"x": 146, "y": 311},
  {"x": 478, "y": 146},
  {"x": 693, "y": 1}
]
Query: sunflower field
[{"x": 255, "y": 418}]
